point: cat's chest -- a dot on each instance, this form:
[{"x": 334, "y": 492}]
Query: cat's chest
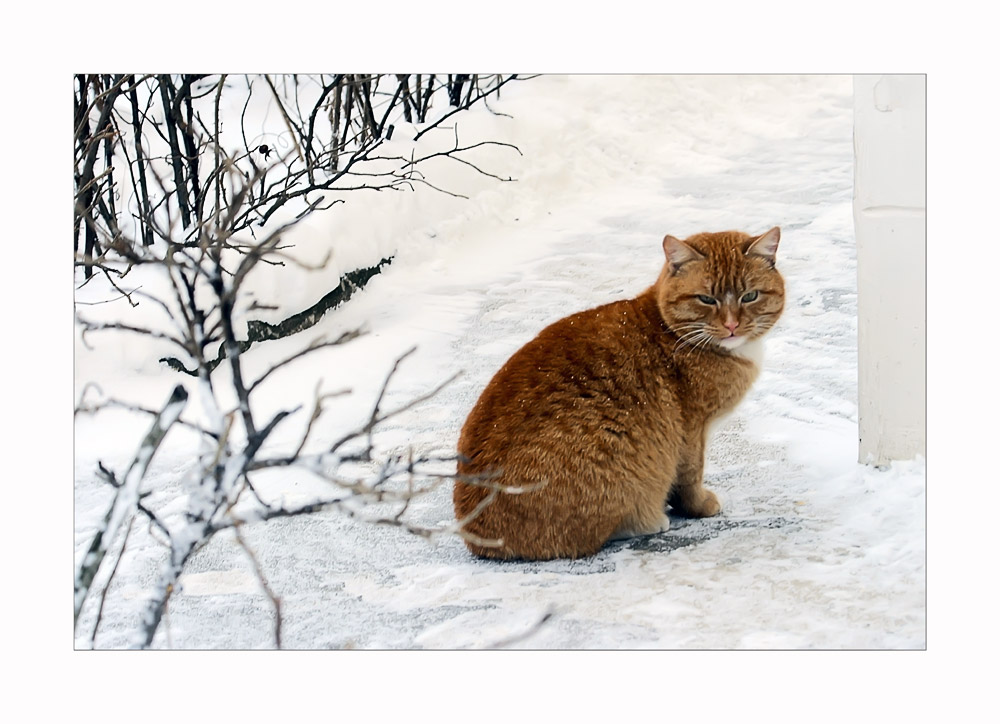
[
  {"x": 753, "y": 351},
  {"x": 739, "y": 375},
  {"x": 716, "y": 384}
]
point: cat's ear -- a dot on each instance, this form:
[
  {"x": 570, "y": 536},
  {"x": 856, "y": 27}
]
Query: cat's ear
[
  {"x": 766, "y": 245},
  {"x": 678, "y": 252}
]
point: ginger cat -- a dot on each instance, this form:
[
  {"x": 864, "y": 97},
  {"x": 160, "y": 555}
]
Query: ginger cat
[{"x": 595, "y": 425}]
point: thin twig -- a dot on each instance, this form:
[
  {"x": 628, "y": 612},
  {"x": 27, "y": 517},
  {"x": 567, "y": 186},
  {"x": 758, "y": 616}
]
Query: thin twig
[
  {"x": 262, "y": 579},
  {"x": 107, "y": 586},
  {"x": 313, "y": 347},
  {"x": 526, "y": 634}
]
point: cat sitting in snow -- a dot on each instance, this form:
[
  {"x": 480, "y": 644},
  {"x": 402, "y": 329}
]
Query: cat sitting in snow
[{"x": 597, "y": 424}]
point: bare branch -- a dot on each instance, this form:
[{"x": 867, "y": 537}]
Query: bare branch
[
  {"x": 182, "y": 205},
  {"x": 112, "y": 403},
  {"x": 373, "y": 420},
  {"x": 104, "y": 326},
  {"x": 526, "y": 634},
  {"x": 262, "y": 579},
  {"x": 126, "y": 498},
  {"x": 316, "y": 345},
  {"x": 293, "y": 130},
  {"x": 478, "y": 97},
  {"x": 106, "y": 587}
]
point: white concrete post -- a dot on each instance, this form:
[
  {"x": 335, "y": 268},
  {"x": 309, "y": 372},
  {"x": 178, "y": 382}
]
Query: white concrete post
[{"x": 889, "y": 214}]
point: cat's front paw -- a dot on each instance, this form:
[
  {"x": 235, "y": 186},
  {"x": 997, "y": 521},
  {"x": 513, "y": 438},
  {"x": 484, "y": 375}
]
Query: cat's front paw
[
  {"x": 710, "y": 505},
  {"x": 700, "y": 503}
]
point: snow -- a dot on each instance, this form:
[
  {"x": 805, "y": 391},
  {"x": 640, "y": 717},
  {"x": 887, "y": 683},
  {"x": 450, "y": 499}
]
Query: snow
[{"x": 812, "y": 550}]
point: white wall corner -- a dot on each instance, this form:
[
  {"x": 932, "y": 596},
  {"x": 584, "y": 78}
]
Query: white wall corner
[{"x": 889, "y": 223}]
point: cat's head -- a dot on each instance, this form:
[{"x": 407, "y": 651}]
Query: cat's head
[{"x": 721, "y": 289}]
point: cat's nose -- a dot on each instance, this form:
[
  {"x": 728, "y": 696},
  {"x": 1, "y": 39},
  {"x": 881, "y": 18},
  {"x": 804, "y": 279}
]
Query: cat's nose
[{"x": 731, "y": 324}]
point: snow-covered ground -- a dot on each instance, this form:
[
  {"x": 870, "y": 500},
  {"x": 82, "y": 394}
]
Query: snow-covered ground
[{"x": 813, "y": 550}]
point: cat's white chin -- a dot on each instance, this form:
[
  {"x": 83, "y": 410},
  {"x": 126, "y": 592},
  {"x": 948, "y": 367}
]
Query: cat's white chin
[{"x": 731, "y": 343}]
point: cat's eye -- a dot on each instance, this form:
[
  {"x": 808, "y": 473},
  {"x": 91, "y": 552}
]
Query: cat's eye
[
  {"x": 706, "y": 300},
  {"x": 749, "y": 297}
]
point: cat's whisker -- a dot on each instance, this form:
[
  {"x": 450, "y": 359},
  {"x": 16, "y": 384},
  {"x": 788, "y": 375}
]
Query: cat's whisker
[
  {"x": 700, "y": 346},
  {"x": 695, "y": 329},
  {"x": 683, "y": 329},
  {"x": 687, "y": 335},
  {"x": 706, "y": 341},
  {"x": 689, "y": 339},
  {"x": 698, "y": 339}
]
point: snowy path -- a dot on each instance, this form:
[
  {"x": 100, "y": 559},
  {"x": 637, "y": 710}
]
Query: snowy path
[{"x": 812, "y": 550}]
